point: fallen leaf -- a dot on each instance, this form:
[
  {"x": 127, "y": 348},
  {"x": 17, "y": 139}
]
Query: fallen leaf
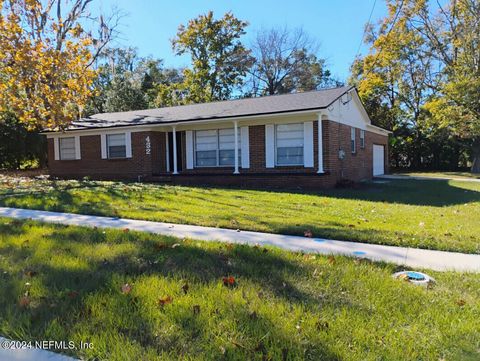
[
  {"x": 461, "y": 302},
  {"x": 126, "y": 289},
  {"x": 229, "y": 281},
  {"x": 126, "y": 230},
  {"x": 164, "y": 301},
  {"x": 196, "y": 309},
  {"x": 30, "y": 273},
  {"x": 24, "y": 301},
  {"x": 72, "y": 294},
  {"x": 331, "y": 260},
  {"x": 322, "y": 325},
  {"x": 308, "y": 233}
]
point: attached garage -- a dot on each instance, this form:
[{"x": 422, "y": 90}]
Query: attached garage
[{"x": 378, "y": 160}]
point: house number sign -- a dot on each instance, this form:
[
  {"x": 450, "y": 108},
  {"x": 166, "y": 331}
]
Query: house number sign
[{"x": 148, "y": 146}]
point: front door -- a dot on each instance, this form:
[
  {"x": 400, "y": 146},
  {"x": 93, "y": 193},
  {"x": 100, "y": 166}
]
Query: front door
[{"x": 179, "y": 151}]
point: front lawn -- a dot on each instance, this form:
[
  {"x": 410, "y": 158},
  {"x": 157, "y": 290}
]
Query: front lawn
[
  {"x": 65, "y": 283},
  {"x": 461, "y": 175},
  {"x": 441, "y": 215}
]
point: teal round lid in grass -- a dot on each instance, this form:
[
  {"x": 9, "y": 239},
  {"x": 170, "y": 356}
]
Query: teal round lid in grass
[
  {"x": 414, "y": 277},
  {"x": 417, "y": 276}
]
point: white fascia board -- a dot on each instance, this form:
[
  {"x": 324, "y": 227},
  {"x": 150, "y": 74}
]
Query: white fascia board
[{"x": 374, "y": 129}]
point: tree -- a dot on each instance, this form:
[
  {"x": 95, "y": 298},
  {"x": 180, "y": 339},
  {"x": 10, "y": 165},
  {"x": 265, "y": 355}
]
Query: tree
[
  {"x": 285, "y": 61},
  {"x": 45, "y": 59},
  {"x": 18, "y": 145},
  {"x": 127, "y": 81},
  {"x": 396, "y": 81},
  {"x": 454, "y": 37},
  {"x": 219, "y": 59}
]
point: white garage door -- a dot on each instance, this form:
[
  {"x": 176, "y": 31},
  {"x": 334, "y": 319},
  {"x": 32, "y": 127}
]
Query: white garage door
[{"x": 378, "y": 160}]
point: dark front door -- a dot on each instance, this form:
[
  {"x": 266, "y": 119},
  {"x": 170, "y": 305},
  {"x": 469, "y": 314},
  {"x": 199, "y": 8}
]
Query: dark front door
[{"x": 179, "y": 151}]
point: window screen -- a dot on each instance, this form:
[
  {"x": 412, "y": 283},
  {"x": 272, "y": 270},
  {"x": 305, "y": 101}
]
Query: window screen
[
  {"x": 289, "y": 144},
  {"x": 362, "y": 138},
  {"x": 352, "y": 141},
  {"x": 67, "y": 148},
  {"x": 215, "y": 148},
  {"x": 116, "y": 146}
]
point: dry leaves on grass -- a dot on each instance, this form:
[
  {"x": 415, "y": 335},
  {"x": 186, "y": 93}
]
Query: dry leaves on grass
[
  {"x": 196, "y": 309},
  {"x": 229, "y": 281},
  {"x": 31, "y": 273},
  {"x": 164, "y": 301},
  {"x": 24, "y": 301},
  {"x": 308, "y": 233},
  {"x": 126, "y": 288}
]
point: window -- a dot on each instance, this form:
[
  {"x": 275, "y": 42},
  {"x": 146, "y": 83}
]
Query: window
[
  {"x": 215, "y": 148},
  {"x": 352, "y": 141},
  {"x": 116, "y": 146},
  {"x": 362, "y": 138},
  {"x": 67, "y": 148},
  {"x": 289, "y": 144}
]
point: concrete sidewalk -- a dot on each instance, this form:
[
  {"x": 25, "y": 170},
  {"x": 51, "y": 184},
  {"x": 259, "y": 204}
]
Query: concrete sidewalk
[{"x": 412, "y": 257}]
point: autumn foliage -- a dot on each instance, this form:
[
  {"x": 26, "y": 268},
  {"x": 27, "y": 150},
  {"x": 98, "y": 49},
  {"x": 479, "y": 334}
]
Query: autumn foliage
[{"x": 45, "y": 79}]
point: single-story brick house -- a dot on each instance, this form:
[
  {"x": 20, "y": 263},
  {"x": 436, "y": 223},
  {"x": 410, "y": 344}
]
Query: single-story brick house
[{"x": 307, "y": 140}]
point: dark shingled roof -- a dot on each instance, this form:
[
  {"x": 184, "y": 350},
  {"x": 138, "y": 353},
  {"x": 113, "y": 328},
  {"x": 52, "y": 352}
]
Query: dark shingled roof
[{"x": 222, "y": 109}]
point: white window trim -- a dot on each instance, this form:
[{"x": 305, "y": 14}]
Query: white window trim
[
  {"x": 104, "y": 145},
  {"x": 302, "y": 164},
  {"x": 194, "y": 141},
  {"x": 56, "y": 148}
]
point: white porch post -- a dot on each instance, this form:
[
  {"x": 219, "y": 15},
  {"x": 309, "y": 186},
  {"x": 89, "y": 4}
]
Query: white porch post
[
  {"x": 320, "y": 145},
  {"x": 175, "y": 170},
  {"x": 235, "y": 127}
]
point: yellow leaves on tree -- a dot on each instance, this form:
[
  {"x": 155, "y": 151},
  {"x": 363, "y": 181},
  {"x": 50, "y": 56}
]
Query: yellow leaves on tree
[{"x": 44, "y": 75}]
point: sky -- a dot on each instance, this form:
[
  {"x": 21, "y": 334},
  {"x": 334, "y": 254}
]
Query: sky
[{"x": 338, "y": 26}]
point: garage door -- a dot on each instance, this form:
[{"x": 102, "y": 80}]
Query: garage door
[{"x": 378, "y": 160}]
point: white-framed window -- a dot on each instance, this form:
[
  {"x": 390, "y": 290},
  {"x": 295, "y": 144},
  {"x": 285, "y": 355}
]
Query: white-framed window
[
  {"x": 67, "y": 148},
  {"x": 289, "y": 141},
  {"x": 116, "y": 146},
  {"x": 353, "y": 140},
  {"x": 362, "y": 138},
  {"x": 216, "y": 148}
]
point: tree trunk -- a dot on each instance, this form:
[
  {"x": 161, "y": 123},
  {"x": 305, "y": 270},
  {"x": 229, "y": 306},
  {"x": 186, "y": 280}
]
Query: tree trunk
[{"x": 476, "y": 156}]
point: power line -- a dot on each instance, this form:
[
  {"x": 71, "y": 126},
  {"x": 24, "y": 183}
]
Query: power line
[
  {"x": 388, "y": 33},
  {"x": 364, "y": 30}
]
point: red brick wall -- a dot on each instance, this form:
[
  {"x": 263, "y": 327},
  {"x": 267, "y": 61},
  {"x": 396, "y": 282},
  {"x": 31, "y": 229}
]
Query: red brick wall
[
  {"x": 336, "y": 136},
  {"x": 92, "y": 165}
]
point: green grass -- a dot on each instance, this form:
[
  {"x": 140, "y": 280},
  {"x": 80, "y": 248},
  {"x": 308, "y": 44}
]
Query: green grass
[
  {"x": 442, "y": 215},
  {"x": 461, "y": 175},
  {"x": 284, "y": 305}
]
